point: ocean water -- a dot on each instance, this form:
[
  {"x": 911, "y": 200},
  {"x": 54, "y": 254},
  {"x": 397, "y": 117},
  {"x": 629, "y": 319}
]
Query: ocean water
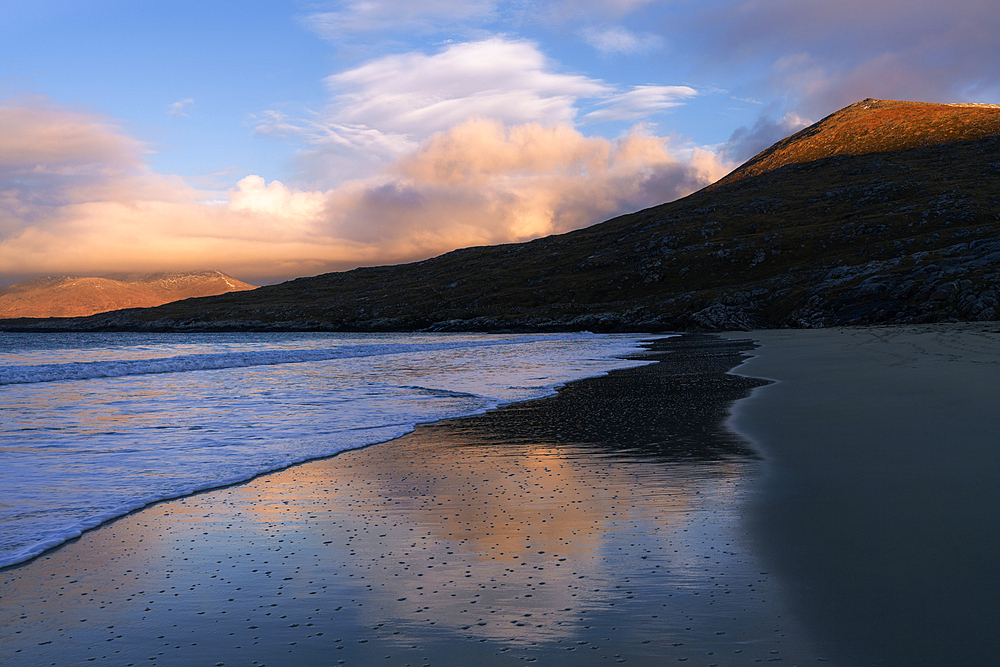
[{"x": 93, "y": 426}]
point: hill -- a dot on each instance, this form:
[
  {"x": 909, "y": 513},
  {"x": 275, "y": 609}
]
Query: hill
[
  {"x": 883, "y": 212},
  {"x": 69, "y": 296},
  {"x": 875, "y": 126}
]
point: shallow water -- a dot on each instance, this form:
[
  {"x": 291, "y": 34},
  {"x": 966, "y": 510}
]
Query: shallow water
[
  {"x": 598, "y": 526},
  {"x": 95, "y": 425}
]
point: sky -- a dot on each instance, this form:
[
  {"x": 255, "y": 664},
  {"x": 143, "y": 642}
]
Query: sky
[{"x": 272, "y": 140}]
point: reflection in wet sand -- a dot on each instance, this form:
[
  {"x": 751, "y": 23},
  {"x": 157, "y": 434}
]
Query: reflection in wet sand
[
  {"x": 515, "y": 543},
  {"x": 583, "y": 529}
]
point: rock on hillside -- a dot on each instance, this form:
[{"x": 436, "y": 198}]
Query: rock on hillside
[
  {"x": 882, "y": 212},
  {"x": 68, "y": 296}
]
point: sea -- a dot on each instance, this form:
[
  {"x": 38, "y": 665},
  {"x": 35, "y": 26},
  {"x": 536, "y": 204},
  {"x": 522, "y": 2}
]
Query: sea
[{"x": 96, "y": 425}]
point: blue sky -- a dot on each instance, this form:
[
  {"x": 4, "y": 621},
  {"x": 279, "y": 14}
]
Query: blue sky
[{"x": 278, "y": 139}]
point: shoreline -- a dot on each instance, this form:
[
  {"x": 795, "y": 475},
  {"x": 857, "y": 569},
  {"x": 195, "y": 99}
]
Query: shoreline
[
  {"x": 605, "y": 520},
  {"x": 877, "y": 510},
  {"x": 67, "y": 533}
]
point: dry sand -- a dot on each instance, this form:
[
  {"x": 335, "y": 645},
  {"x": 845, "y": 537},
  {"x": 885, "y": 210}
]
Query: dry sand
[
  {"x": 600, "y": 526},
  {"x": 879, "y": 514}
]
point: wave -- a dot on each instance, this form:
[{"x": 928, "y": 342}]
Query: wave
[
  {"x": 56, "y": 537},
  {"x": 89, "y": 370},
  {"x": 464, "y": 386}
]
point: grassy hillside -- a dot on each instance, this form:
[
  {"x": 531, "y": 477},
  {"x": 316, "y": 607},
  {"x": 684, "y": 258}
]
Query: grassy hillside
[{"x": 883, "y": 212}]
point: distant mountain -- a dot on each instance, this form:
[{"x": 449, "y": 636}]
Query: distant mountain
[
  {"x": 75, "y": 296},
  {"x": 883, "y": 212}
]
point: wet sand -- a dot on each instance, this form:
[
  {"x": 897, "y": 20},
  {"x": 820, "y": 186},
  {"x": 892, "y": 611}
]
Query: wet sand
[
  {"x": 603, "y": 525},
  {"x": 878, "y": 513}
]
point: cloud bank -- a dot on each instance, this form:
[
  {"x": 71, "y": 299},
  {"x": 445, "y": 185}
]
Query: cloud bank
[
  {"x": 481, "y": 138},
  {"x": 77, "y": 198}
]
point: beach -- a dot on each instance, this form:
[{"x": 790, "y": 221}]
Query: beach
[
  {"x": 839, "y": 512},
  {"x": 879, "y": 513},
  {"x": 602, "y": 525}
]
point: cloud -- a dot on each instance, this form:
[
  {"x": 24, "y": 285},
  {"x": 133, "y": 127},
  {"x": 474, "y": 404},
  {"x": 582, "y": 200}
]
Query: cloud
[
  {"x": 814, "y": 57},
  {"x": 821, "y": 56},
  {"x": 253, "y": 195},
  {"x": 77, "y": 198},
  {"x": 377, "y": 16},
  {"x": 331, "y": 152},
  {"x": 40, "y": 139},
  {"x": 51, "y": 157},
  {"x": 177, "y": 108},
  {"x": 566, "y": 11},
  {"x": 415, "y": 94},
  {"x": 484, "y": 182},
  {"x": 640, "y": 102},
  {"x": 746, "y": 142},
  {"x": 619, "y": 40},
  {"x": 387, "y": 106},
  {"x": 401, "y": 20}
]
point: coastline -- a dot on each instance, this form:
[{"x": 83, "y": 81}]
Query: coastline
[
  {"x": 40, "y": 520},
  {"x": 877, "y": 511},
  {"x": 605, "y": 520}
]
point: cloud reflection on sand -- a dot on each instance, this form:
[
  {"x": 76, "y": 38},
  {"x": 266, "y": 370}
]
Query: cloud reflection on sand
[
  {"x": 518, "y": 544},
  {"x": 526, "y": 534}
]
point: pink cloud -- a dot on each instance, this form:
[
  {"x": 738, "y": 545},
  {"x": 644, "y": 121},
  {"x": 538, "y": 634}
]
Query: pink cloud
[
  {"x": 481, "y": 181},
  {"x": 40, "y": 138},
  {"x": 486, "y": 182}
]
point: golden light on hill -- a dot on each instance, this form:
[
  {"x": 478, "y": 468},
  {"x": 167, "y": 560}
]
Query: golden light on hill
[{"x": 74, "y": 296}]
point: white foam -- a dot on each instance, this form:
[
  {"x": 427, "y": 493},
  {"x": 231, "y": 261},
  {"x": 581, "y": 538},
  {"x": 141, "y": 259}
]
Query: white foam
[
  {"x": 88, "y": 370},
  {"x": 147, "y": 425}
]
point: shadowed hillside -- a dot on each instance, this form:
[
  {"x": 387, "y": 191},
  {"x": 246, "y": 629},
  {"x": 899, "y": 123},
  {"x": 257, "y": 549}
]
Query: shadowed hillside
[
  {"x": 882, "y": 212},
  {"x": 69, "y": 296}
]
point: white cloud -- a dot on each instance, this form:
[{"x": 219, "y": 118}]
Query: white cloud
[
  {"x": 415, "y": 94},
  {"x": 177, "y": 108},
  {"x": 387, "y": 106},
  {"x": 373, "y": 16},
  {"x": 619, "y": 40},
  {"x": 362, "y": 147},
  {"x": 640, "y": 102},
  {"x": 253, "y": 195}
]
